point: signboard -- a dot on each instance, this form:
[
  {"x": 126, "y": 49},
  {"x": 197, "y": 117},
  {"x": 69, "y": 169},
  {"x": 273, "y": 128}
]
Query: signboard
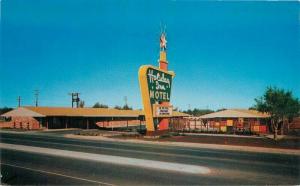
[
  {"x": 223, "y": 128},
  {"x": 241, "y": 120},
  {"x": 155, "y": 87},
  {"x": 159, "y": 85},
  {"x": 162, "y": 111},
  {"x": 229, "y": 122}
]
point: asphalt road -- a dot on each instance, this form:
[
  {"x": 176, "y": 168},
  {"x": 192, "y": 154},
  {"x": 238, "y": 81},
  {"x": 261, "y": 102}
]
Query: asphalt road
[{"x": 226, "y": 167}]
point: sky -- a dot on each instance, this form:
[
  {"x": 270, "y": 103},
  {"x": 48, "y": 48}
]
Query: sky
[{"x": 224, "y": 54}]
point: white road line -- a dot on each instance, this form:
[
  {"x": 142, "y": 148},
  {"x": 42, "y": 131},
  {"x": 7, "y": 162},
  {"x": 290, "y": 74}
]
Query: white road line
[
  {"x": 129, "y": 143},
  {"x": 202, "y": 158},
  {"x": 112, "y": 149},
  {"x": 116, "y": 149},
  {"x": 57, "y": 174},
  {"x": 152, "y": 164},
  {"x": 131, "y": 151}
]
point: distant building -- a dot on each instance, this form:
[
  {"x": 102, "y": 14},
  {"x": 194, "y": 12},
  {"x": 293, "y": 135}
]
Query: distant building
[
  {"x": 85, "y": 118},
  {"x": 229, "y": 121},
  {"x": 294, "y": 126}
]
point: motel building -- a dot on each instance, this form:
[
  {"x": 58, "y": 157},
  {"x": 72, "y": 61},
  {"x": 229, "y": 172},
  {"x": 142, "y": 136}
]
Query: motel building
[
  {"x": 33, "y": 118},
  {"x": 230, "y": 121}
]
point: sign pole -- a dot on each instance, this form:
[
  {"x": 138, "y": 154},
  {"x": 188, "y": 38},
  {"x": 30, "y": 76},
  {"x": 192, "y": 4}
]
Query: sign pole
[
  {"x": 163, "y": 64},
  {"x": 155, "y": 85}
]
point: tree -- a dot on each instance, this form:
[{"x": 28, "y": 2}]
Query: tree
[
  {"x": 126, "y": 107},
  {"x": 99, "y": 105},
  {"x": 5, "y": 109},
  {"x": 198, "y": 112},
  {"x": 81, "y": 104},
  {"x": 118, "y": 107},
  {"x": 280, "y": 104}
]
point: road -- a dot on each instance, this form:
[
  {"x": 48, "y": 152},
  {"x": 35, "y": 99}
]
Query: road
[{"x": 49, "y": 159}]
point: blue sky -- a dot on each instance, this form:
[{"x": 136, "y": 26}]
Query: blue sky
[{"x": 224, "y": 54}]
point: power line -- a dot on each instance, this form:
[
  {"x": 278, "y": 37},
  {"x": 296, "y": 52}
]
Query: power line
[
  {"x": 19, "y": 101},
  {"x": 125, "y": 100},
  {"x": 36, "y": 94}
]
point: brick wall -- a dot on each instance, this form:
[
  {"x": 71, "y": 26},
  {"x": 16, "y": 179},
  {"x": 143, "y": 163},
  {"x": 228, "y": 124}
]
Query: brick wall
[
  {"x": 121, "y": 123},
  {"x": 28, "y": 123}
]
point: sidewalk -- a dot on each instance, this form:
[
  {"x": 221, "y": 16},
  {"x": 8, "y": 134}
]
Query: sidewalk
[{"x": 192, "y": 145}]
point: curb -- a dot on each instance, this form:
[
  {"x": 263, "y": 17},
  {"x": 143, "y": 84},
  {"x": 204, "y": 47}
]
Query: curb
[{"x": 220, "y": 135}]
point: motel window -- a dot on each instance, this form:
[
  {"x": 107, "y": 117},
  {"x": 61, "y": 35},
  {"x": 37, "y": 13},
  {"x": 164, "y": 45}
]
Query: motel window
[{"x": 55, "y": 120}]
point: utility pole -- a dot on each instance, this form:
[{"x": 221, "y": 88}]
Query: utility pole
[
  {"x": 19, "y": 101},
  {"x": 125, "y": 100},
  {"x": 75, "y": 99},
  {"x": 36, "y": 94}
]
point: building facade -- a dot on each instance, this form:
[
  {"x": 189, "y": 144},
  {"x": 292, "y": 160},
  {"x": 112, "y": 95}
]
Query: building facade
[
  {"x": 86, "y": 118},
  {"x": 226, "y": 121}
]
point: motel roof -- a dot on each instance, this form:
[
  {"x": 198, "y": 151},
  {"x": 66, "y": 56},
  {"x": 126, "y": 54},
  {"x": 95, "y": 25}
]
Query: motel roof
[
  {"x": 23, "y": 112},
  {"x": 235, "y": 113},
  {"x": 78, "y": 112}
]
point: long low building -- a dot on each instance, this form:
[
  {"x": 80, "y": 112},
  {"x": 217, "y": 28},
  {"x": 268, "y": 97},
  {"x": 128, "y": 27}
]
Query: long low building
[
  {"x": 229, "y": 121},
  {"x": 64, "y": 117},
  {"x": 238, "y": 120}
]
